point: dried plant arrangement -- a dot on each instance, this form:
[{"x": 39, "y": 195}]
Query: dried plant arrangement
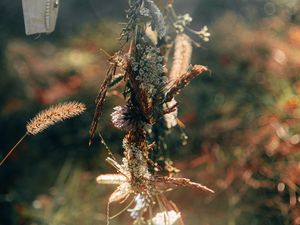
[{"x": 153, "y": 31}]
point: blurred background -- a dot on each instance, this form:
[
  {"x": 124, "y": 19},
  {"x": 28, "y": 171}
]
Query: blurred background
[{"x": 242, "y": 119}]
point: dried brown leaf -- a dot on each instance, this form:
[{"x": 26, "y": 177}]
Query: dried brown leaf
[
  {"x": 100, "y": 100},
  {"x": 184, "y": 80}
]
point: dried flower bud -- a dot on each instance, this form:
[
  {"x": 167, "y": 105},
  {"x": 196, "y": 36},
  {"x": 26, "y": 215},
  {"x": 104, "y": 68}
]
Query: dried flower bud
[
  {"x": 181, "y": 22},
  {"x": 203, "y": 33}
]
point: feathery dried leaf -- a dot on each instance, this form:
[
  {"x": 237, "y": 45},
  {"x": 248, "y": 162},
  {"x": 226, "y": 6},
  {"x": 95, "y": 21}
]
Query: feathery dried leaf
[
  {"x": 53, "y": 115},
  {"x": 182, "y": 56},
  {"x": 184, "y": 80}
]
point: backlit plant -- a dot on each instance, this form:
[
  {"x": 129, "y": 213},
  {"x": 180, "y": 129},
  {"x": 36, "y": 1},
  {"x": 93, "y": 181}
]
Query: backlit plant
[{"x": 149, "y": 111}]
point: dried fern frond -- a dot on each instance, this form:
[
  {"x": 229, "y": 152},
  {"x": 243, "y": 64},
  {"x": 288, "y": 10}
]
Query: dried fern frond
[
  {"x": 183, "y": 80},
  {"x": 53, "y": 115},
  {"x": 182, "y": 56}
]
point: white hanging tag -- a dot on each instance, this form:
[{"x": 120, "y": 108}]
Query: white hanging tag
[{"x": 40, "y": 15}]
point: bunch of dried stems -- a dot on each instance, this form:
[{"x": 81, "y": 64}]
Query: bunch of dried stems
[{"x": 149, "y": 111}]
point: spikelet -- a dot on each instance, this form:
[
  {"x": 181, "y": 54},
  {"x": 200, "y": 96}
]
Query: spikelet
[
  {"x": 182, "y": 56},
  {"x": 53, "y": 115},
  {"x": 111, "y": 179}
]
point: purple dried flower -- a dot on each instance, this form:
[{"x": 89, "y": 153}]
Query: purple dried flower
[{"x": 127, "y": 117}]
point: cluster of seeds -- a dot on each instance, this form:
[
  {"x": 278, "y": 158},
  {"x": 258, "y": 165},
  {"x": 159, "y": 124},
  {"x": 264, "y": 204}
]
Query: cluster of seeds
[{"x": 148, "y": 67}]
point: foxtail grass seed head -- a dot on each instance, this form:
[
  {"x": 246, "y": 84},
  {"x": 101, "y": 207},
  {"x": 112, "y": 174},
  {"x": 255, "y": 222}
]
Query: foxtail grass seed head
[
  {"x": 54, "y": 114},
  {"x": 47, "y": 118}
]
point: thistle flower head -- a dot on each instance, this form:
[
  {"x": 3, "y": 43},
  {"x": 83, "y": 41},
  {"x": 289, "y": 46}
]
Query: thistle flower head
[
  {"x": 126, "y": 117},
  {"x": 53, "y": 115}
]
